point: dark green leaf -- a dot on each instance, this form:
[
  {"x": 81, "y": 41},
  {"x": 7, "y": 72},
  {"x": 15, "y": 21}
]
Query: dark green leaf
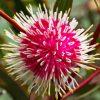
[
  {"x": 5, "y": 7},
  {"x": 19, "y": 6},
  {"x": 63, "y": 5},
  {"x": 13, "y": 87}
]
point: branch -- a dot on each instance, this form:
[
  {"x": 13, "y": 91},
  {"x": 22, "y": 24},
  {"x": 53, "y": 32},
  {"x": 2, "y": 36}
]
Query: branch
[
  {"x": 96, "y": 34},
  {"x": 10, "y": 20},
  {"x": 82, "y": 84}
]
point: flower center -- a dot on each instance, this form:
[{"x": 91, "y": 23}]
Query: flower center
[{"x": 49, "y": 48}]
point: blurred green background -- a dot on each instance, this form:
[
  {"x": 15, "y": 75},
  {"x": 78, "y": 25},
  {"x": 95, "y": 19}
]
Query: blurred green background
[{"x": 85, "y": 11}]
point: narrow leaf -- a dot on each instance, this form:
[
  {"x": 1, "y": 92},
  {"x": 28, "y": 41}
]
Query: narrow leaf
[
  {"x": 63, "y": 5},
  {"x": 19, "y": 6},
  {"x": 13, "y": 87}
]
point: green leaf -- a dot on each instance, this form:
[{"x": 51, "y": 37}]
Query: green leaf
[
  {"x": 13, "y": 87},
  {"x": 5, "y": 7},
  {"x": 4, "y": 95},
  {"x": 20, "y": 6},
  {"x": 63, "y": 5}
]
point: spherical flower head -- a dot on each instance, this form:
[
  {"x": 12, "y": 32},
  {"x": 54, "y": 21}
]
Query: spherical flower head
[{"x": 46, "y": 54}]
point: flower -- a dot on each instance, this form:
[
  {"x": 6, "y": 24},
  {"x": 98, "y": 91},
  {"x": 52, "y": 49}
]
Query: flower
[{"x": 46, "y": 54}]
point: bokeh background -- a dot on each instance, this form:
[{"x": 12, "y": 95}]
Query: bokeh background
[{"x": 85, "y": 11}]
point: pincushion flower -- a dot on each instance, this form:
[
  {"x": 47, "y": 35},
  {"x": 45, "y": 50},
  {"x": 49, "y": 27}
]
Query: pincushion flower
[{"x": 48, "y": 52}]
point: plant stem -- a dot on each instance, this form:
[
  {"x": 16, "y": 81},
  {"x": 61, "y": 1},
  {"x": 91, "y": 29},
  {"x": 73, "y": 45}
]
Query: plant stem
[
  {"x": 98, "y": 46},
  {"x": 96, "y": 34},
  {"x": 82, "y": 84},
  {"x": 12, "y": 21}
]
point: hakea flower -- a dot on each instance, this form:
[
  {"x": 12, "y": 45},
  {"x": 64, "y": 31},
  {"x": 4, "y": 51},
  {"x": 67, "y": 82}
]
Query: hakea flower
[{"x": 49, "y": 52}]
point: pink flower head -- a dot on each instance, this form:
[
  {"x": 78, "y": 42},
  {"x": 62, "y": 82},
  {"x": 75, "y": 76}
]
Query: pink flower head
[{"x": 46, "y": 54}]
